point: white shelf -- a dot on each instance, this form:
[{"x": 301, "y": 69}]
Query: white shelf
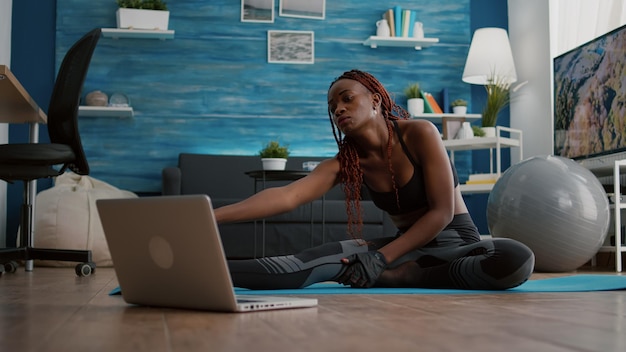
[
  {"x": 619, "y": 247},
  {"x": 374, "y": 42},
  {"x": 436, "y": 118},
  {"x": 117, "y": 33},
  {"x": 481, "y": 143},
  {"x": 477, "y": 188},
  {"x": 491, "y": 143},
  {"x": 105, "y": 111}
]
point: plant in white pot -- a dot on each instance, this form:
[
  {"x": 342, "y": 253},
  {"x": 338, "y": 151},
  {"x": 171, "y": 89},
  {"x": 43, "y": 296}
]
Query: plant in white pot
[
  {"x": 274, "y": 156},
  {"x": 498, "y": 97},
  {"x": 415, "y": 101},
  {"x": 142, "y": 14},
  {"x": 459, "y": 107}
]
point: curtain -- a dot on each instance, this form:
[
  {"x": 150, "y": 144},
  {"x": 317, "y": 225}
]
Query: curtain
[{"x": 574, "y": 22}]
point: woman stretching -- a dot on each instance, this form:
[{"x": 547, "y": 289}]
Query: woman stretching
[{"x": 408, "y": 173}]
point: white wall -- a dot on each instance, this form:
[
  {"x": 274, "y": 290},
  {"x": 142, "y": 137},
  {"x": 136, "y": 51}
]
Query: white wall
[
  {"x": 6, "y": 7},
  {"x": 531, "y": 105},
  {"x": 540, "y": 30}
]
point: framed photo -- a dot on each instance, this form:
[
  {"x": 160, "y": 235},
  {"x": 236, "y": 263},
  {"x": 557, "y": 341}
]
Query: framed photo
[
  {"x": 257, "y": 11},
  {"x": 315, "y": 9},
  {"x": 290, "y": 47},
  {"x": 451, "y": 126}
]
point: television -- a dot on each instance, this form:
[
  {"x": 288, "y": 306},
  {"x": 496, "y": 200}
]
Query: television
[{"x": 590, "y": 102}]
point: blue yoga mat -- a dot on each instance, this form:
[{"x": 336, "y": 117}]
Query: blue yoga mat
[{"x": 574, "y": 283}]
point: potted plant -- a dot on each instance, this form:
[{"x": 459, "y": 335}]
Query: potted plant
[
  {"x": 459, "y": 107},
  {"x": 142, "y": 14},
  {"x": 415, "y": 101},
  {"x": 498, "y": 97},
  {"x": 478, "y": 132},
  {"x": 274, "y": 156}
]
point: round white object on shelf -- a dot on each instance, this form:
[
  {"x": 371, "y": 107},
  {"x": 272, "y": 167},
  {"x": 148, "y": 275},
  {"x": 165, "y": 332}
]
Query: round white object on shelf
[{"x": 119, "y": 100}]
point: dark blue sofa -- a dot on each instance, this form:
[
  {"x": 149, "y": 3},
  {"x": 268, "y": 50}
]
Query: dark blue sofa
[{"x": 224, "y": 179}]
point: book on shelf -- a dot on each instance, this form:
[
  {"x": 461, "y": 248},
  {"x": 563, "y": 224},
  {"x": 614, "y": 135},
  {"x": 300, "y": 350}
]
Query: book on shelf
[
  {"x": 397, "y": 13},
  {"x": 433, "y": 103},
  {"x": 406, "y": 21},
  {"x": 390, "y": 20},
  {"x": 480, "y": 182},
  {"x": 427, "y": 108},
  {"x": 483, "y": 177},
  {"x": 401, "y": 21},
  {"x": 411, "y": 22},
  {"x": 445, "y": 100}
]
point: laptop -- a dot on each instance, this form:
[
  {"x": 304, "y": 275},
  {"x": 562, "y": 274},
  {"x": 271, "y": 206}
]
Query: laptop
[{"x": 167, "y": 252}]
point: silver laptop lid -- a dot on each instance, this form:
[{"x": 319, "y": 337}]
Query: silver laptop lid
[{"x": 167, "y": 252}]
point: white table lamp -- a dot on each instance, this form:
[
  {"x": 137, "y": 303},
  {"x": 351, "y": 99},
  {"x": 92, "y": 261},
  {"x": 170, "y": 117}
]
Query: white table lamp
[{"x": 490, "y": 58}]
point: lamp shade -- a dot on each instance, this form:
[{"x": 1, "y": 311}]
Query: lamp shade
[{"x": 490, "y": 58}]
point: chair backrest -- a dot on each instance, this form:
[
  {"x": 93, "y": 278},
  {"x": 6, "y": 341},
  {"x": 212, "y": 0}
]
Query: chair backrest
[{"x": 63, "y": 108}]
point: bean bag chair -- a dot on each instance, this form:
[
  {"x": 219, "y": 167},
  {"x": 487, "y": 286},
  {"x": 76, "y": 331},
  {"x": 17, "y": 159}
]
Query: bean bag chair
[{"x": 66, "y": 217}]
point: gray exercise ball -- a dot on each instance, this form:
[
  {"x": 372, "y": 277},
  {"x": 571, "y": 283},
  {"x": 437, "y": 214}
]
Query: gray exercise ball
[{"x": 554, "y": 206}]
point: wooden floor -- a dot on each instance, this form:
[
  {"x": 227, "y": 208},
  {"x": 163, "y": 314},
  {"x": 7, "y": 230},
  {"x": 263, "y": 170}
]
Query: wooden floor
[{"x": 53, "y": 310}]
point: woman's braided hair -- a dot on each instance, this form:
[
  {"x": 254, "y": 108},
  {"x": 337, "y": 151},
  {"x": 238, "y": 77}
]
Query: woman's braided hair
[{"x": 351, "y": 174}]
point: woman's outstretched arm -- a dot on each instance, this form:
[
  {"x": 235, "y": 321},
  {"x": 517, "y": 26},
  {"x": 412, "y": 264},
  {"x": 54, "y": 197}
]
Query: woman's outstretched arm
[{"x": 277, "y": 200}]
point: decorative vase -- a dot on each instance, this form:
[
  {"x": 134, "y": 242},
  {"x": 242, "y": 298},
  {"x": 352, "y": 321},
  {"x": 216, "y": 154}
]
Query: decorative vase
[
  {"x": 465, "y": 132},
  {"x": 142, "y": 19},
  {"x": 489, "y": 131},
  {"x": 274, "y": 163},
  {"x": 382, "y": 28},
  {"x": 415, "y": 106},
  {"x": 459, "y": 110},
  {"x": 418, "y": 30},
  {"x": 96, "y": 98}
]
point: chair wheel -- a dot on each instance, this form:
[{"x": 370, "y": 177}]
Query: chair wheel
[
  {"x": 85, "y": 269},
  {"x": 10, "y": 267}
]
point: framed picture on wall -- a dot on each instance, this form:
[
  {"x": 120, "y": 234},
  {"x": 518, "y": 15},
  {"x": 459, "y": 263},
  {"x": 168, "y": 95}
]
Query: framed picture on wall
[
  {"x": 290, "y": 47},
  {"x": 451, "y": 126},
  {"x": 257, "y": 11},
  {"x": 315, "y": 9}
]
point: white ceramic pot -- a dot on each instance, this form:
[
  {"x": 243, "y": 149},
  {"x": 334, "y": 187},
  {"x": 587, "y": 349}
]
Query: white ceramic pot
[
  {"x": 142, "y": 19},
  {"x": 489, "y": 131},
  {"x": 274, "y": 163},
  {"x": 459, "y": 110},
  {"x": 415, "y": 106}
]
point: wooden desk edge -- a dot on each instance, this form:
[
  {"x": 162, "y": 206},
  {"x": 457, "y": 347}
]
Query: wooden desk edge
[{"x": 6, "y": 72}]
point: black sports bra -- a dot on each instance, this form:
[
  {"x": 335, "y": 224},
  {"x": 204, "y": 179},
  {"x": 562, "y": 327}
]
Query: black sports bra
[{"x": 412, "y": 195}]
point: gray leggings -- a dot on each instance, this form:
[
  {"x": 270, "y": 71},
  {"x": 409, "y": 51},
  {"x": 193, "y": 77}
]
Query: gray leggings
[{"x": 456, "y": 258}]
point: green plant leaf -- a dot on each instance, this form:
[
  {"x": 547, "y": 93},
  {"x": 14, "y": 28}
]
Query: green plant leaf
[
  {"x": 498, "y": 97},
  {"x": 142, "y": 4},
  {"x": 273, "y": 149},
  {"x": 413, "y": 91}
]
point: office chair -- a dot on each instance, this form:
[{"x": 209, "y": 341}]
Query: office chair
[{"x": 30, "y": 161}]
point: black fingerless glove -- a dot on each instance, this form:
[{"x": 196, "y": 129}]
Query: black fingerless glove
[{"x": 363, "y": 269}]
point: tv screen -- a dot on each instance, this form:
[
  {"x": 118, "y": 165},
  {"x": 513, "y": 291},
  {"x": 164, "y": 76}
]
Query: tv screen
[{"x": 590, "y": 98}]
